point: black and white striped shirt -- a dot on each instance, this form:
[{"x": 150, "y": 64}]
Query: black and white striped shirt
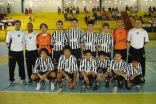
[
  {"x": 104, "y": 65},
  {"x": 89, "y": 41},
  {"x": 59, "y": 40},
  {"x": 43, "y": 65},
  {"x": 132, "y": 71},
  {"x": 105, "y": 42},
  {"x": 68, "y": 65},
  {"x": 88, "y": 65},
  {"x": 74, "y": 37},
  {"x": 120, "y": 66}
]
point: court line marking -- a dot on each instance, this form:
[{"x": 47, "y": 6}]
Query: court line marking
[{"x": 76, "y": 93}]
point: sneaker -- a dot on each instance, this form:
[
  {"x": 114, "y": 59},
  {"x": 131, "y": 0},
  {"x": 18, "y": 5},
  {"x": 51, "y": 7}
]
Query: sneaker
[
  {"x": 10, "y": 83},
  {"x": 88, "y": 86},
  {"x": 115, "y": 89},
  {"x": 138, "y": 88},
  {"x": 96, "y": 87},
  {"x": 120, "y": 84},
  {"x": 52, "y": 86},
  {"x": 107, "y": 85},
  {"x": 23, "y": 82},
  {"x": 38, "y": 87},
  {"x": 30, "y": 81}
]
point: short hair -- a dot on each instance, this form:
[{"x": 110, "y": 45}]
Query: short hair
[
  {"x": 105, "y": 24},
  {"x": 67, "y": 47},
  {"x": 29, "y": 23},
  {"x": 117, "y": 52},
  {"x": 135, "y": 58},
  {"x": 138, "y": 19},
  {"x": 102, "y": 53},
  {"x": 90, "y": 22},
  {"x": 17, "y": 21},
  {"x": 59, "y": 21},
  {"x": 88, "y": 51},
  {"x": 44, "y": 25},
  {"x": 75, "y": 19},
  {"x": 43, "y": 50}
]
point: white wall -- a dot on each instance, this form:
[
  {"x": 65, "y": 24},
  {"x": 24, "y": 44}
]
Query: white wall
[
  {"x": 145, "y": 4},
  {"x": 119, "y": 3},
  {"x": 82, "y": 3},
  {"x": 43, "y": 5}
]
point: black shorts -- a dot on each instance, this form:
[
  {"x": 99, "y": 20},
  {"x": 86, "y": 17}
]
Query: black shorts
[
  {"x": 101, "y": 70},
  {"x": 71, "y": 75}
]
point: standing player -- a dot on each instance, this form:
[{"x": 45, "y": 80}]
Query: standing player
[
  {"x": 88, "y": 69},
  {"x": 89, "y": 40},
  {"x": 119, "y": 36},
  {"x": 105, "y": 41},
  {"x": 43, "y": 39},
  {"x": 14, "y": 41},
  {"x": 74, "y": 36},
  {"x": 67, "y": 68},
  {"x": 119, "y": 69},
  {"x": 138, "y": 38},
  {"x": 43, "y": 69},
  {"x": 135, "y": 74},
  {"x": 59, "y": 40},
  {"x": 31, "y": 49}
]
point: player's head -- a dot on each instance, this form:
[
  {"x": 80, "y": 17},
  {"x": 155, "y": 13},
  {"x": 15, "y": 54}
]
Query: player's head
[
  {"x": 29, "y": 26},
  {"x": 44, "y": 27},
  {"x": 90, "y": 26},
  {"x": 67, "y": 51},
  {"x": 17, "y": 24},
  {"x": 88, "y": 54},
  {"x": 135, "y": 61},
  {"x": 43, "y": 53},
  {"x": 74, "y": 22},
  {"x": 138, "y": 23},
  {"x": 59, "y": 24},
  {"x": 120, "y": 22},
  {"x": 101, "y": 56},
  {"x": 117, "y": 56},
  {"x": 105, "y": 27}
]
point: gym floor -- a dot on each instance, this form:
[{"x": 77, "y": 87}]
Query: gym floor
[{"x": 18, "y": 92}]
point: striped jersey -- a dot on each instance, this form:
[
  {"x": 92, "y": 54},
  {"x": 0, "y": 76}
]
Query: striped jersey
[
  {"x": 105, "y": 42},
  {"x": 132, "y": 71},
  {"x": 68, "y": 64},
  {"x": 43, "y": 65},
  {"x": 120, "y": 66},
  {"x": 103, "y": 65},
  {"x": 74, "y": 37},
  {"x": 59, "y": 40},
  {"x": 89, "y": 41},
  {"x": 88, "y": 65}
]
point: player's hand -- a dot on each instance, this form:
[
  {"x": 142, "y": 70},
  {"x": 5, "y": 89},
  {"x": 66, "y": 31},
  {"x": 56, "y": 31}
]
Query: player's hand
[
  {"x": 68, "y": 78},
  {"x": 86, "y": 79}
]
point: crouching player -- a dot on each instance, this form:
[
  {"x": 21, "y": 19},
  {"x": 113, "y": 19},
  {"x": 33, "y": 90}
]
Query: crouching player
[
  {"x": 103, "y": 71},
  {"x": 43, "y": 69},
  {"x": 88, "y": 69},
  {"x": 135, "y": 74},
  {"x": 67, "y": 68},
  {"x": 119, "y": 69}
]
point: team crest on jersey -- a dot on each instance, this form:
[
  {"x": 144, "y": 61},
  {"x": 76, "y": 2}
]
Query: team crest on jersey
[
  {"x": 18, "y": 35},
  {"x": 137, "y": 33},
  {"x": 30, "y": 37}
]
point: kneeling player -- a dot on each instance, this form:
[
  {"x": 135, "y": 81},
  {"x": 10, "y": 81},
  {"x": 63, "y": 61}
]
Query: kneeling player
[
  {"x": 119, "y": 69},
  {"x": 88, "y": 69},
  {"x": 67, "y": 68},
  {"x": 135, "y": 74},
  {"x": 43, "y": 69},
  {"x": 103, "y": 71}
]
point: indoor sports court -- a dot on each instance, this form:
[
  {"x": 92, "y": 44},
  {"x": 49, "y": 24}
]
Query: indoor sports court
[{"x": 86, "y": 13}]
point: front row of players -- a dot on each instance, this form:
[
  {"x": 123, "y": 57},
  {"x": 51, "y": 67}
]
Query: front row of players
[{"x": 90, "y": 70}]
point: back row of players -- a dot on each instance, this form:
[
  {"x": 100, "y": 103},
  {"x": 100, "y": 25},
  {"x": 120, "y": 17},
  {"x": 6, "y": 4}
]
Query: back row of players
[{"x": 85, "y": 46}]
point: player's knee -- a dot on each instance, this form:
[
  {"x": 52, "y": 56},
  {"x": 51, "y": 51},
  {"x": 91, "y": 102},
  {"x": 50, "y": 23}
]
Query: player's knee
[
  {"x": 59, "y": 75},
  {"x": 70, "y": 85},
  {"x": 53, "y": 74},
  {"x": 33, "y": 76}
]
